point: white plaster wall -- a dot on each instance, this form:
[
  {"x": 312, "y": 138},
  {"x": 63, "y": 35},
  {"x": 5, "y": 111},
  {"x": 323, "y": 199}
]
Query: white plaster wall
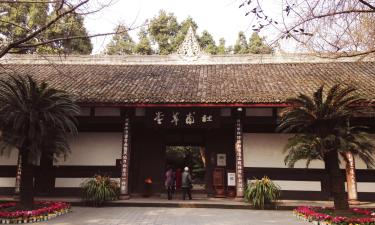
[
  {"x": 366, "y": 187},
  {"x": 289, "y": 185},
  {"x": 267, "y": 150},
  {"x": 73, "y": 182},
  {"x": 68, "y": 182},
  {"x": 94, "y": 149},
  {"x": 359, "y": 164},
  {"x": 7, "y": 181},
  {"x": 363, "y": 186},
  {"x": 106, "y": 111},
  {"x": 9, "y": 158},
  {"x": 259, "y": 112}
]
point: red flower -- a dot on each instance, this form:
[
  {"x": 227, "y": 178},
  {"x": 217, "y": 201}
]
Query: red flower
[
  {"x": 49, "y": 207},
  {"x": 311, "y": 214}
]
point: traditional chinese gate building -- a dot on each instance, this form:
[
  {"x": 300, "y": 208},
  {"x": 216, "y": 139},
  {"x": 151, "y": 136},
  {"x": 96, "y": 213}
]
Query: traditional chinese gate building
[{"x": 135, "y": 106}]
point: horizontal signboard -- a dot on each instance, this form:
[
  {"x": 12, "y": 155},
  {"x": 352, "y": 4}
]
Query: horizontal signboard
[{"x": 183, "y": 118}]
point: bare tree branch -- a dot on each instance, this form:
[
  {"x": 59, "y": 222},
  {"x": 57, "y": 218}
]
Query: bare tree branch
[
  {"x": 20, "y": 1},
  {"x": 14, "y": 24},
  {"x": 72, "y": 38},
  {"x": 60, "y": 6},
  {"x": 346, "y": 54},
  {"x": 341, "y": 27},
  {"x": 367, "y": 4}
]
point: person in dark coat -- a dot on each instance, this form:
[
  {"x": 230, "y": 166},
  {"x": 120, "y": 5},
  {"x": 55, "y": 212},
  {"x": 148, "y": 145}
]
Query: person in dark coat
[
  {"x": 186, "y": 184},
  {"x": 169, "y": 182}
]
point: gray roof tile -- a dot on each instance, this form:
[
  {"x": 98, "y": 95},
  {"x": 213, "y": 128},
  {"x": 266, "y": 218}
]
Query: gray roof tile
[{"x": 212, "y": 84}]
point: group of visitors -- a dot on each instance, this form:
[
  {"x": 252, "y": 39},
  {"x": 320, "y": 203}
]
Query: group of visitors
[{"x": 174, "y": 180}]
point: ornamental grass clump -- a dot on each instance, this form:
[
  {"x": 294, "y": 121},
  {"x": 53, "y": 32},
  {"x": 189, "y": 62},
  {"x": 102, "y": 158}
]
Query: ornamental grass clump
[
  {"x": 100, "y": 189},
  {"x": 262, "y": 192}
]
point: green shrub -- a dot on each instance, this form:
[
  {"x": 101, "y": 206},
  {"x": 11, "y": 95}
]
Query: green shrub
[
  {"x": 262, "y": 192},
  {"x": 99, "y": 189}
]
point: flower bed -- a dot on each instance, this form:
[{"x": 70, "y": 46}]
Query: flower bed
[
  {"x": 44, "y": 212},
  {"x": 318, "y": 217}
]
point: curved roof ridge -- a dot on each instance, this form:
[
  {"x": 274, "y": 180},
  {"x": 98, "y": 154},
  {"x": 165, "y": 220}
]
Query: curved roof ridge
[{"x": 175, "y": 59}]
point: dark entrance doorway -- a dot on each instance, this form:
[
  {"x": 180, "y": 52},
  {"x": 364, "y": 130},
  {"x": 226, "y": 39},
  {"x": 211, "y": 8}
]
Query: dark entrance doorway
[
  {"x": 150, "y": 158},
  {"x": 194, "y": 157}
]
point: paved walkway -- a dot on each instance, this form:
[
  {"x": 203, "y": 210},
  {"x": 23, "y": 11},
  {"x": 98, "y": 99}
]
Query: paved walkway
[
  {"x": 173, "y": 216},
  {"x": 195, "y": 203},
  {"x": 204, "y": 203}
]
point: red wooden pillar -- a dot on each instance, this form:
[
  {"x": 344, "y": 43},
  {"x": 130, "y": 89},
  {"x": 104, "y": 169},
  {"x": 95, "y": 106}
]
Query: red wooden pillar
[
  {"x": 351, "y": 180},
  {"x": 239, "y": 159},
  {"x": 125, "y": 159}
]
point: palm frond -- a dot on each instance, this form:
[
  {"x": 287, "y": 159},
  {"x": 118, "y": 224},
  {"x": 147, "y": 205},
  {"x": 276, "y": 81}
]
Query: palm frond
[
  {"x": 36, "y": 114},
  {"x": 321, "y": 121},
  {"x": 302, "y": 147}
]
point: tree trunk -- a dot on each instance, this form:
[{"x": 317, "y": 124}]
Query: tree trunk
[
  {"x": 351, "y": 178},
  {"x": 337, "y": 183},
  {"x": 44, "y": 181},
  {"x": 27, "y": 181}
]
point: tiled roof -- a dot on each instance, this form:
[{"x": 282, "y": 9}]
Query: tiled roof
[{"x": 212, "y": 84}]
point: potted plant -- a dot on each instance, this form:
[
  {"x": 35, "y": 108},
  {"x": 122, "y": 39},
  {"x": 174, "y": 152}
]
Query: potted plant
[
  {"x": 100, "y": 189},
  {"x": 261, "y": 193}
]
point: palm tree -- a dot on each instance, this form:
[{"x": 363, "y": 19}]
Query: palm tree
[
  {"x": 34, "y": 119},
  {"x": 355, "y": 142},
  {"x": 322, "y": 132}
]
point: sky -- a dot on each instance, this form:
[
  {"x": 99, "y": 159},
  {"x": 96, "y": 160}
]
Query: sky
[{"x": 222, "y": 18}]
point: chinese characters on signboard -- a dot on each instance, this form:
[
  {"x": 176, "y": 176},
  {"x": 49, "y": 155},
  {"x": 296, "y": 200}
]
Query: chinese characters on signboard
[
  {"x": 124, "y": 189},
  {"x": 239, "y": 158},
  {"x": 231, "y": 179},
  {"x": 221, "y": 160},
  {"x": 183, "y": 118},
  {"x": 159, "y": 117}
]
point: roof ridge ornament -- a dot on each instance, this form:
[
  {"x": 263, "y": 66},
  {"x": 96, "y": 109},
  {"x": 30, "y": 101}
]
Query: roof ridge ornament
[{"x": 190, "y": 48}]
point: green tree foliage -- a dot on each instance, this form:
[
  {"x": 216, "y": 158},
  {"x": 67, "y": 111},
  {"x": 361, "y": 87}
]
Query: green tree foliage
[
  {"x": 241, "y": 46},
  {"x": 163, "y": 30},
  {"x": 19, "y": 19},
  {"x": 221, "y": 50},
  {"x": 121, "y": 43},
  {"x": 144, "y": 45},
  {"x": 34, "y": 119},
  {"x": 168, "y": 34},
  {"x": 229, "y": 50},
  {"x": 321, "y": 124},
  {"x": 207, "y": 43},
  {"x": 190, "y": 156},
  {"x": 257, "y": 45}
]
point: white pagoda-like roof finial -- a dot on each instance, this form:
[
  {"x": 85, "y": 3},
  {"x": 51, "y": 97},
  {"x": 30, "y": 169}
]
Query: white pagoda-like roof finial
[{"x": 189, "y": 48}]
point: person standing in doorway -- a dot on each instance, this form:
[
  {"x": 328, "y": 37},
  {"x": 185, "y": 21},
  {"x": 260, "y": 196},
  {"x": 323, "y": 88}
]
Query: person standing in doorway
[
  {"x": 169, "y": 182},
  {"x": 186, "y": 184}
]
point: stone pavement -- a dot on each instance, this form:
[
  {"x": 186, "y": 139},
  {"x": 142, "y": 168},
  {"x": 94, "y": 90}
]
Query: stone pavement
[
  {"x": 173, "y": 216},
  {"x": 223, "y": 203}
]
